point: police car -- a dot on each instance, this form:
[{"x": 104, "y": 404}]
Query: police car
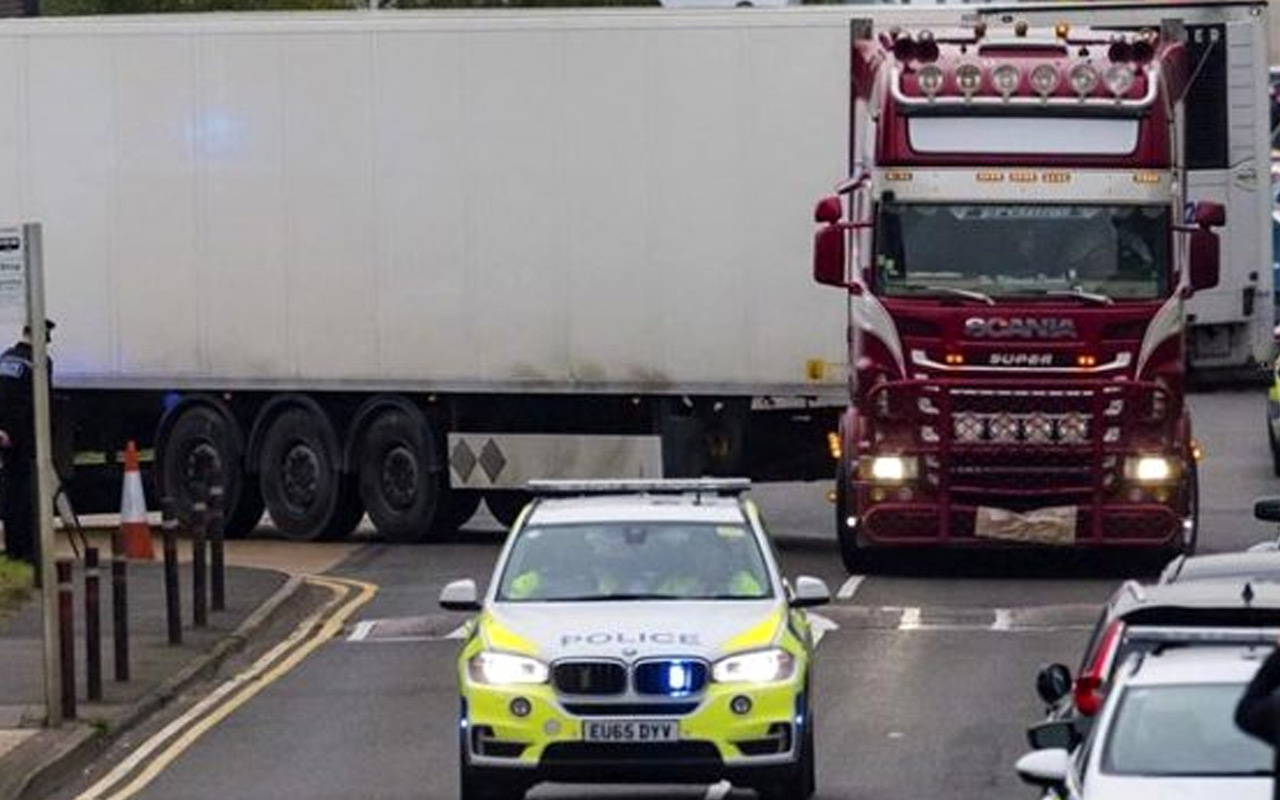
[{"x": 637, "y": 631}]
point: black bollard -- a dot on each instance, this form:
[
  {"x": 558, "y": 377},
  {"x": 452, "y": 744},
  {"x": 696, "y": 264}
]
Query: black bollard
[
  {"x": 172, "y": 585},
  {"x": 120, "y": 613},
  {"x": 199, "y": 567},
  {"x": 92, "y": 625},
  {"x": 67, "y": 636},
  {"x": 217, "y": 561}
]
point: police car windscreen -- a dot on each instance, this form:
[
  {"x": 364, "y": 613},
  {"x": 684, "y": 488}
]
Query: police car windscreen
[
  {"x": 1022, "y": 251},
  {"x": 635, "y": 561},
  {"x": 1182, "y": 730}
]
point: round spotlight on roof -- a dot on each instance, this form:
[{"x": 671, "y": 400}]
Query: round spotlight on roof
[
  {"x": 1044, "y": 79},
  {"x": 929, "y": 78},
  {"x": 1084, "y": 79},
  {"x": 1120, "y": 49},
  {"x": 926, "y": 47},
  {"x": 1119, "y": 79},
  {"x": 969, "y": 79},
  {"x": 1005, "y": 78},
  {"x": 904, "y": 48}
]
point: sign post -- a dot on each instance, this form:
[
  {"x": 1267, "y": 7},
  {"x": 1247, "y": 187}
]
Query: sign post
[{"x": 22, "y": 299}]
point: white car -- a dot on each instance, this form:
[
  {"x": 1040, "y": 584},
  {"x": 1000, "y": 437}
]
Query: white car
[
  {"x": 1167, "y": 730},
  {"x": 633, "y": 632}
]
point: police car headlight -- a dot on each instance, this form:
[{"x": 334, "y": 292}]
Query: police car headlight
[
  {"x": 761, "y": 666},
  {"x": 506, "y": 669}
]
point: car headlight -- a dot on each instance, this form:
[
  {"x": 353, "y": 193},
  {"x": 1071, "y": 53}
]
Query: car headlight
[
  {"x": 760, "y": 666},
  {"x": 506, "y": 669},
  {"x": 889, "y": 469},
  {"x": 1150, "y": 469}
]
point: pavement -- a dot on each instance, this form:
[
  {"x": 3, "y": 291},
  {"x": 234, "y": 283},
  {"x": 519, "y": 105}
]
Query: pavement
[{"x": 262, "y": 578}]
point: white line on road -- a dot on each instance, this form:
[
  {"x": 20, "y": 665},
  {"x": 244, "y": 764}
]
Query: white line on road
[
  {"x": 1003, "y": 620},
  {"x": 362, "y": 630},
  {"x": 821, "y": 626},
  {"x": 850, "y": 586},
  {"x": 910, "y": 619}
]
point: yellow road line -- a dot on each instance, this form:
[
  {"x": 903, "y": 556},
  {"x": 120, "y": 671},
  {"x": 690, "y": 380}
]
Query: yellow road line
[{"x": 237, "y": 691}]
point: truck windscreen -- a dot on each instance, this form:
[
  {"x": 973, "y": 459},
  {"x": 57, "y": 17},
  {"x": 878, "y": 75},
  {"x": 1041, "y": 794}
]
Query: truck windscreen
[{"x": 1120, "y": 251}]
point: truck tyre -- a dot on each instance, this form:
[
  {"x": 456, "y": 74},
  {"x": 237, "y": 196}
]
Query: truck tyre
[
  {"x": 1190, "y": 542},
  {"x": 302, "y": 486},
  {"x": 851, "y": 555},
  {"x": 202, "y": 445},
  {"x": 1275, "y": 451},
  {"x": 397, "y": 485},
  {"x": 505, "y": 506}
]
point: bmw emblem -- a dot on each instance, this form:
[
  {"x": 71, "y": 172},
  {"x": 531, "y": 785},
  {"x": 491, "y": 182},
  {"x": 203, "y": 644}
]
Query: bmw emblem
[{"x": 629, "y": 652}]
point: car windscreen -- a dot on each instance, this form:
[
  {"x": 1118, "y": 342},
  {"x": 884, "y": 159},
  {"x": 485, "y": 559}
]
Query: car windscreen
[
  {"x": 1024, "y": 251},
  {"x": 635, "y": 561},
  {"x": 1183, "y": 730}
]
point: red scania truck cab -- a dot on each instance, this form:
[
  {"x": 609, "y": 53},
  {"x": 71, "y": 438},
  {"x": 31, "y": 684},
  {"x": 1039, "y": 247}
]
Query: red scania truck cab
[{"x": 1017, "y": 251}]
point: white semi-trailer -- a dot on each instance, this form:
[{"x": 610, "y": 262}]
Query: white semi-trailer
[{"x": 399, "y": 262}]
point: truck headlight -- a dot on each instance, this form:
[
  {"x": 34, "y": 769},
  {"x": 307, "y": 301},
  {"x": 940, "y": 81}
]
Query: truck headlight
[
  {"x": 760, "y": 666},
  {"x": 506, "y": 669},
  {"x": 889, "y": 469},
  {"x": 1150, "y": 470}
]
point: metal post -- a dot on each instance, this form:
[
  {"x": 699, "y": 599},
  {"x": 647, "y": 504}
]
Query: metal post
[
  {"x": 33, "y": 254},
  {"x": 120, "y": 612},
  {"x": 92, "y": 625},
  {"x": 172, "y": 586},
  {"x": 67, "y": 637},
  {"x": 217, "y": 561},
  {"x": 200, "y": 571}
]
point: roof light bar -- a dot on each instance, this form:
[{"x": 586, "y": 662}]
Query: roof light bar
[{"x": 730, "y": 486}]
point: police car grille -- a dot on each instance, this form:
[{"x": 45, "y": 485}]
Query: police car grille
[
  {"x": 589, "y": 677},
  {"x": 654, "y": 677},
  {"x": 630, "y": 709}
]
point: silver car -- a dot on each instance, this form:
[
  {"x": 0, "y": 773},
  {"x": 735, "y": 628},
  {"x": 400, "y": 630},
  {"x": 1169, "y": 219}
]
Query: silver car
[{"x": 1167, "y": 730}]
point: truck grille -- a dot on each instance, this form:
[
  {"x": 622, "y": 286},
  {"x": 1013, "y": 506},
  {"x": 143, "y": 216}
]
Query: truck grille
[{"x": 589, "y": 677}]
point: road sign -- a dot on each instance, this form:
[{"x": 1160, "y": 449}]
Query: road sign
[{"x": 13, "y": 275}]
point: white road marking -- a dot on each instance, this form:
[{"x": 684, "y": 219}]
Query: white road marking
[
  {"x": 1003, "y": 620},
  {"x": 459, "y": 632},
  {"x": 910, "y": 619},
  {"x": 362, "y": 630},
  {"x": 718, "y": 791},
  {"x": 821, "y": 626},
  {"x": 849, "y": 587}
]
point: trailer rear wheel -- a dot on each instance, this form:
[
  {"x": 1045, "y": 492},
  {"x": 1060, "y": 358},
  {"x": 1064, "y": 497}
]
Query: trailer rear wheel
[
  {"x": 202, "y": 445},
  {"x": 301, "y": 483},
  {"x": 505, "y": 506},
  {"x": 398, "y": 487}
]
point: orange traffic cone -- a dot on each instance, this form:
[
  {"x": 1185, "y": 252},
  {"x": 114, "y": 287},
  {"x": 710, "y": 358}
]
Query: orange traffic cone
[{"x": 135, "y": 533}]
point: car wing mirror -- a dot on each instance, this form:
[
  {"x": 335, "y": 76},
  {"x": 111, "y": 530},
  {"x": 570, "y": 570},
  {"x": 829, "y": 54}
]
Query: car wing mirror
[
  {"x": 1046, "y": 769},
  {"x": 1054, "y": 734},
  {"x": 460, "y": 596},
  {"x": 810, "y": 592}
]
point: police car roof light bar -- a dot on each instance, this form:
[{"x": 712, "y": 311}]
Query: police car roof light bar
[
  {"x": 719, "y": 486},
  {"x": 1202, "y": 636}
]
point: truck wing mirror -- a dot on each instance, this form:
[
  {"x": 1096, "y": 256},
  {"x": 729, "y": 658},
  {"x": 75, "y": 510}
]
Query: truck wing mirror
[
  {"x": 1204, "y": 259},
  {"x": 828, "y": 211},
  {"x": 1210, "y": 215},
  {"x": 829, "y": 255}
]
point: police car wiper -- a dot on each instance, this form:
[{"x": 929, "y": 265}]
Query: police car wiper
[
  {"x": 967, "y": 294},
  {"x": 597, "y": 598}
]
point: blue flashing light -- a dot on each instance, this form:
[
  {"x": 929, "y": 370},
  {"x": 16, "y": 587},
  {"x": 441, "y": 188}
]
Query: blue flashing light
[{"x": 679, "y": 678}]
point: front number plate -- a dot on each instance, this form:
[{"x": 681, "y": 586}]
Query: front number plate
[{"x": 630, "y": 730}]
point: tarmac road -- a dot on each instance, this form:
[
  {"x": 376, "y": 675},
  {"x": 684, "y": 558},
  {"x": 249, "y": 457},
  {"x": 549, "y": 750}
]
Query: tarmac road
[{"x": 924, "y": 689}]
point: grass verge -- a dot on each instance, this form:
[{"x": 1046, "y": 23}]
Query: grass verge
[{"x": 15, "y": 587}]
